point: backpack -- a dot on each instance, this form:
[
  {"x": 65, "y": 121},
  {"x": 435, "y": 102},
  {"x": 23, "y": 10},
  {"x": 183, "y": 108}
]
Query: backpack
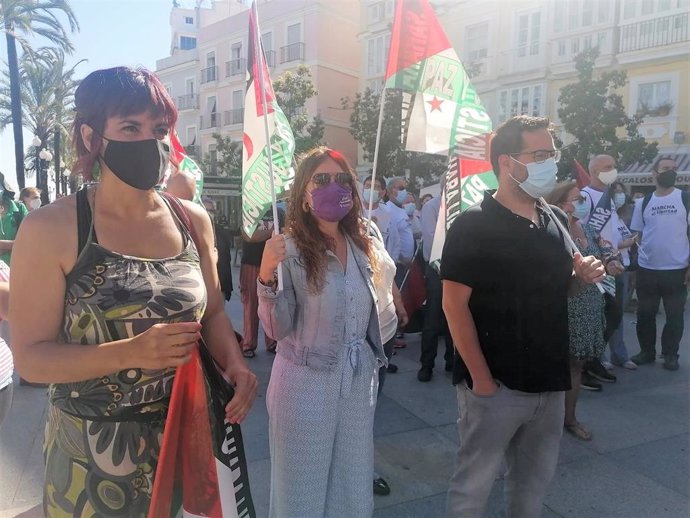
[{"x": 684, "y": 195}]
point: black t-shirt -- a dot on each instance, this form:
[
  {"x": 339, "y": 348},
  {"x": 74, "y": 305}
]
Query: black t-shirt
[
  {"x": 252, "y": 252},
  {"x": 519, "y": 274}
]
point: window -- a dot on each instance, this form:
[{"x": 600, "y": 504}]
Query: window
[
  {"x": 189, "y": 86},
  {"x": 524, "y": 100},
  {"x": 561, "y": 48},
  {"x": 664, "y": 5},
  {"x": 654, "y": 98},
  {"x": 267, "y": 41},
  {"x": 529, "y": 29},
  {"x": 294, "y": 33},
  {"x": 603, "y": 11},
  {"x": 601, "y": 40},
  {"x": 376, "y": 12},
  {"x": 191, "y": 135},
  {"x": 377, "y": 55},
  {"x": 575, "y": 45},
  {"x": 390, "y": 8},
  {"x": 588, "y": 42},
  {"x": 573, "y": 14},
  {"x": 211, "y": 59},
  {"x": 168, "y": 87},
  {"x": 647, "y": 7},
  {"x": 629, "y": 9},
  {"x": 477, "y": 41},
  {"x": 189, "y": 20},
  {"x": 587, "y": 12},
  {"x": 187, "y": 42}
]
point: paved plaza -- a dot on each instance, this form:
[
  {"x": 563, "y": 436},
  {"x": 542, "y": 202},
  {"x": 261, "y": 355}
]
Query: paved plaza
[{"x": 637, "y": 465}]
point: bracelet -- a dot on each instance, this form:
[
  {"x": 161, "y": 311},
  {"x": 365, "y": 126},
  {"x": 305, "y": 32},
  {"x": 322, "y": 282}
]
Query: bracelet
[{"x": 269, "y": 284}]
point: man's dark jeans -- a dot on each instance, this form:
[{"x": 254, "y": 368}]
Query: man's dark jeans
[
  {"x": 434, "y": 322},
  {"x": 652, "y": 287}
]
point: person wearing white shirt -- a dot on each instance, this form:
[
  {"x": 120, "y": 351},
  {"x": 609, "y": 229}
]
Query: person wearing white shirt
[
  {"x": 664, "y": 254},
  {"x": 434, "y": 319},
  {"x": 603, "y": 173},
  {"x": 381, "y": 216}
]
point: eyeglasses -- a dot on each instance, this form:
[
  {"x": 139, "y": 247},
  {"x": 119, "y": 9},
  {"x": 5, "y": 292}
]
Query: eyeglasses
[
  {"x": 320, "y": 179},
  {"x": 541, "y": 155}
]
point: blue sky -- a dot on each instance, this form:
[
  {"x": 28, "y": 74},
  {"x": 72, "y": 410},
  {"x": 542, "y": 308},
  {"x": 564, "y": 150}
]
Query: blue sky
[{"x": 113, "y": 32}]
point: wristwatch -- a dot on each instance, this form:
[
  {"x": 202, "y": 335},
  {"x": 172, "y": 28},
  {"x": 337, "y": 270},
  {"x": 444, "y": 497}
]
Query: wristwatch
[{"x": 269, "y": 284}]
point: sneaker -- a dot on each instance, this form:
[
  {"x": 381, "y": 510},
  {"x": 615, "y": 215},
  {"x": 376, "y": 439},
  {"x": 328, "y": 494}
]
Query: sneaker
[
  {"x": 627, "y": 364},
  {"x": 607, "y": 365},
  {"x": 381, "y": 487},
  {"x": 671, "y": 362},
  {"x": 589, "y": 383},
  {"x": 424, "y": 374},
  {"x": 595, "y": 369},
  {"x": 643, "y": 358}
]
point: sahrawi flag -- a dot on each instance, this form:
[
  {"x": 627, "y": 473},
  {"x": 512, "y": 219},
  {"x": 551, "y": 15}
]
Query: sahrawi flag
[
  {"x": 256, "y": 186},
  {"x": 441, "y": 111}
]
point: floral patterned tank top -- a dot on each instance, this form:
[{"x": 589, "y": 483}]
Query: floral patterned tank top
[{"x": 111, "y": 296}]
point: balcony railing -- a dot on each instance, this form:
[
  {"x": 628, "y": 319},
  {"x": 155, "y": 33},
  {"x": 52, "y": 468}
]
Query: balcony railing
[
  {"x": 270, "y": 58},
  {"x": 654, "y": 33},
  {"x": 233, "y": 116},
  {"x": 293, "y": 52},
  {"x": 209, "y": 121},
  {"x": 235, "y": 67},
  {"x": 188, "y": 102},
  {"x": 209, "y": 74}
]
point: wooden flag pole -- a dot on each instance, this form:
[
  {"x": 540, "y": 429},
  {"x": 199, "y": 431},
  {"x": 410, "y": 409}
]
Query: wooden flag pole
[{"x": 259, "y": 60}]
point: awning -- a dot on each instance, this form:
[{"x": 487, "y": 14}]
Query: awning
[{"x": 641, "y": 174}]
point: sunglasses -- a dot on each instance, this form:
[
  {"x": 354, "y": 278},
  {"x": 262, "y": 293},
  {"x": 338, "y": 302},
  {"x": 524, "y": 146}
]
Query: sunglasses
[{"x": 320, "y": 179}]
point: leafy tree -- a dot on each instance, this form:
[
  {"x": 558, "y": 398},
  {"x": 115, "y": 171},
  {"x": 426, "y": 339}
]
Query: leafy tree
[
  {"x": 227, "y": 161},
  {"x": 593, "y": 113},
  {"x": 293, "y": 90},
  {"x": 393, "y": 160},
  {"x": 18, "y": 19}
]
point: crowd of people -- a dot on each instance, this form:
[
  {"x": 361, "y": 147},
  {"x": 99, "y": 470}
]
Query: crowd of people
[{"x": 111, "y": 292}]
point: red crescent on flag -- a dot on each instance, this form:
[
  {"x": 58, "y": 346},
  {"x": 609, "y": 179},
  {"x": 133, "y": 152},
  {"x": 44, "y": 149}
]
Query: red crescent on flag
[{"x": 248, "y": 145}]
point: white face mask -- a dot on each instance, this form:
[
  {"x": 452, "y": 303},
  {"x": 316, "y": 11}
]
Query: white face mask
[
  {"x": 619, "y": 199},
  {"x": 541, "y": 178},
  {"x": 608, "y": 177},
  {"x": 34, "y": 203}
]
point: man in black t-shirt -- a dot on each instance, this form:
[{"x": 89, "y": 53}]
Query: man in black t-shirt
[
  {"x": 507, "y": 273},
  {"x": 252, "y": 252}
]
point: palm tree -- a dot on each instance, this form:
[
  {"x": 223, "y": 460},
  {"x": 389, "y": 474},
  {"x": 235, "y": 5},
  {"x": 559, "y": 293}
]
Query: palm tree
[
  {"x": 47, "y": 93},
  {"x": 18, "y": 19}
]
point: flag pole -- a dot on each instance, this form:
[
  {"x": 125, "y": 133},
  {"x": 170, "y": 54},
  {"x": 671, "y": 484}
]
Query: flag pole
[
  {"x": 259, "y": 60},
  {"x": 376, "y": 156}
]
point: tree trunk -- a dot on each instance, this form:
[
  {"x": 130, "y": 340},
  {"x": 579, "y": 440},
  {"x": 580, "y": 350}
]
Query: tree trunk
[
  {"x": 56, "y": 157},
  {"x": 15, "y": 96}
]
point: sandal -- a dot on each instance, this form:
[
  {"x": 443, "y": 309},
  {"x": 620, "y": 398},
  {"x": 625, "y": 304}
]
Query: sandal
[
  {"x": 249, "y": 353},
  {"x": 578, "y": 431}
]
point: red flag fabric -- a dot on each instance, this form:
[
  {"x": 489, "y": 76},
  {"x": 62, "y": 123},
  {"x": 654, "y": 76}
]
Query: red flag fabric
[{"x": 581, "y": 175}]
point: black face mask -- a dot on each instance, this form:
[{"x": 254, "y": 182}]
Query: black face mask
[
  {"x": 140, "y": 164},
  {"x": 666, "y": 179}
]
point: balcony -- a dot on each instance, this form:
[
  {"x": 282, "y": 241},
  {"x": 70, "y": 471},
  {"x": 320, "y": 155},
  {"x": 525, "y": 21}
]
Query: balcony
[
  {"x": 654, "y": 33},
  {"x": 188, "y": 102},
  {"x": 233, "y": 117},
  {"x": 209, "y": 121},
  {"x": 293, "y": 52},
  {"x": 235, "y": 67},
  {"x": 209, "y": 74},
  {"x": 270, "y": 58}
]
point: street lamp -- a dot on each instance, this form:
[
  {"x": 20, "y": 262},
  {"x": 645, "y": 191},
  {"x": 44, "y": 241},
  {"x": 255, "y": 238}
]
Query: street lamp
[
  {"x": 45, "y": 155},
  {"x": 36, "y": 141}
]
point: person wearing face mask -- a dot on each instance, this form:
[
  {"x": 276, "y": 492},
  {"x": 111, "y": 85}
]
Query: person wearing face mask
[
  {"x": 397, "y": 195},
  {"x": 12, "y": 214},
  {"x": 603, "y": 216},
  {"x": 323, "y": 389},
  {"x": 662, "y": 217},
  {"x": 381, "y": 215},
  {"x": 585, "y": 309},
  {"x": 507, "y": 272},
  {"x": 410, "y": 207},
  {"x": 109, "y": 293},
  {"x": 31, "y": 198}
]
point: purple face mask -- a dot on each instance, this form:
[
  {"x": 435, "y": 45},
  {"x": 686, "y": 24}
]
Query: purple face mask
[{"x": 331, "y": 202}]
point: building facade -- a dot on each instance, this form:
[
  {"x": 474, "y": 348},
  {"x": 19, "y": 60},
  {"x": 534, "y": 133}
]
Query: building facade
[
  {"x": 521, "y": 52},
  {"x": 208, "y": 81}
]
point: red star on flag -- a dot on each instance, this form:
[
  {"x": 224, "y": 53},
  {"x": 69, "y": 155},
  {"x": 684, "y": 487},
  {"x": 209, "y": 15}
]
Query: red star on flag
[{"x": 435, "y": 104}]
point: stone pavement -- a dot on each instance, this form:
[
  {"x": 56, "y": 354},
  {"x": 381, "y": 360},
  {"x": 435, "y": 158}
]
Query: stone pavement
[{"x": 637, "y": 465}]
